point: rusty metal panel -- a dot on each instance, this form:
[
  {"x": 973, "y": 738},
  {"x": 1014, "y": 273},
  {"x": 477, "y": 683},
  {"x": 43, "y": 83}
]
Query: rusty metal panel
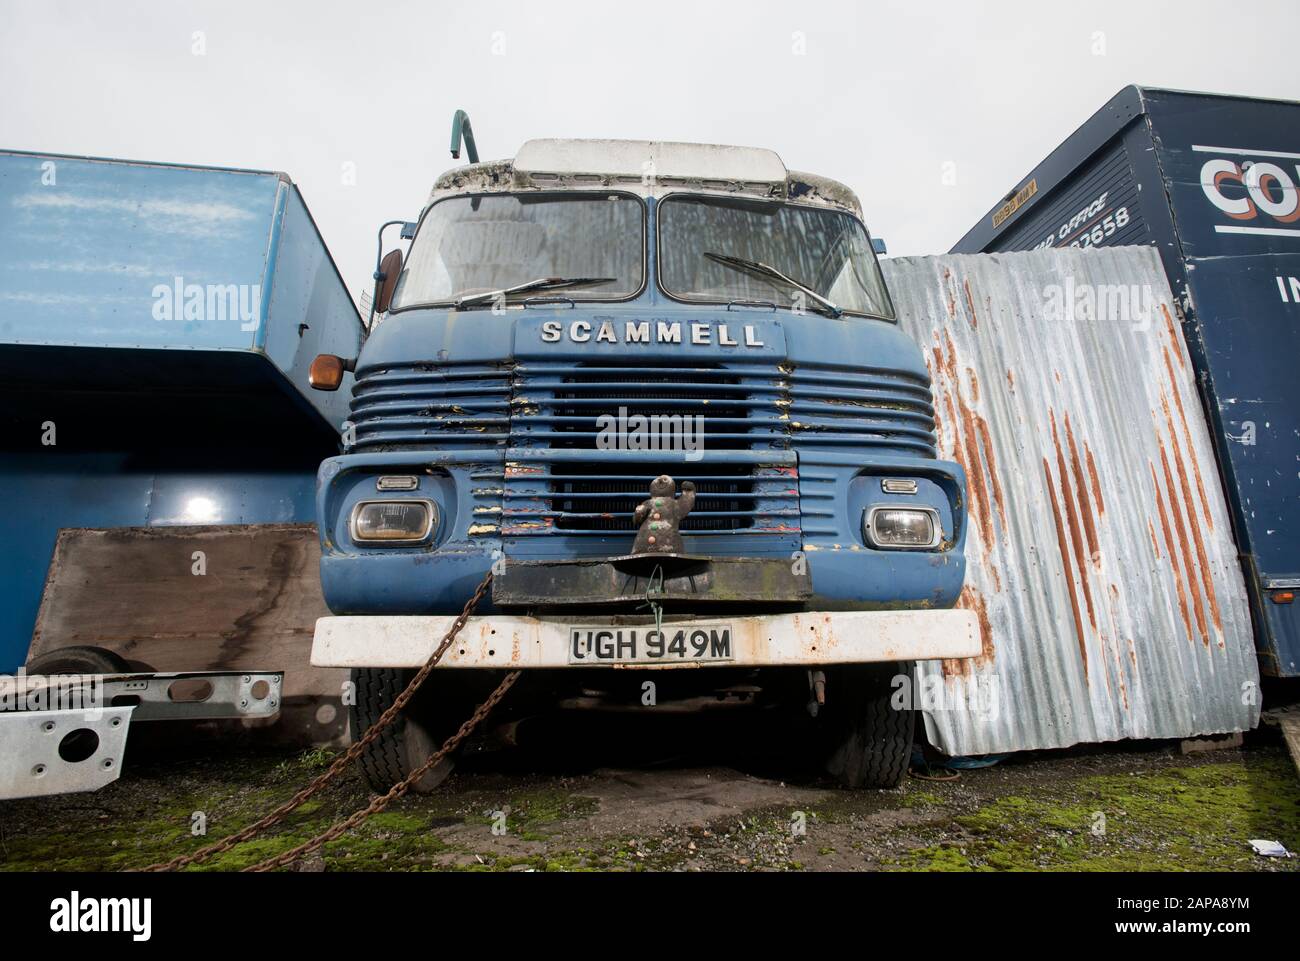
[{"x": 1101, "y": 559}]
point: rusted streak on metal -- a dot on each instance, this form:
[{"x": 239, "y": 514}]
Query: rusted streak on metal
[
  {"x": 1173, "y": 551},
  {"x": 1187, "y": 435},
  {"x": 1119, "y": 656},
  {"x": 1085, "y": 507},
  {"x": 1155, "y": 543},
  {"x": 969, "y": 442},
  {"x": 953, "y": 422},
  {"x": 990, "y": 451},
  {"x": 1069, "y": 571},
  {"x": 950, "y": 362},
  {"x": 963, "y": 456},
  {"x": 1105, "y": 637},
  {"x": 1092, "y": 475},
  {"x": 975, "y": 477},
  {"x": 970, "y": 303},
  {"x": 1202, "y": 559},
  {"x": 1181, "y": 528},
  {"x": 972, "y": 447},
  {"x": 1172, "y": 328},
  {"x": 971, "y": 600},
  {"x": 930, "y": 363},
  {"x": 1076, "y": 528}
]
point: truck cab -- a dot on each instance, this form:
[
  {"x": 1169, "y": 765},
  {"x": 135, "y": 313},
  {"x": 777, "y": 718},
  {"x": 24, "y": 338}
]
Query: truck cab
[{"x": 659, "y": 392}]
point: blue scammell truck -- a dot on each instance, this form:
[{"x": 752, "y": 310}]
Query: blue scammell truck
[{"x": 574, "y": 338}]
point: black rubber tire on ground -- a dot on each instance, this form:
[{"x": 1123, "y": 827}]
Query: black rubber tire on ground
[
  {"x": 867, "y": 742},
  {"x": 78, "y": 660},
  {"x": 439, "y": 708},
  {"x": 405, "y": 744}
]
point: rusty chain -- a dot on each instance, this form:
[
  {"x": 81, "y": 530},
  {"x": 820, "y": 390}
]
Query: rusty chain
[
  {"x": 396, "y": 791},
  {"x": 341, "y": 763}
]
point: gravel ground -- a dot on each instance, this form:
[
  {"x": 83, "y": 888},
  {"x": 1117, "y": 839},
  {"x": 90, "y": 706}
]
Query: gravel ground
[{"x": 688, "y": 805}]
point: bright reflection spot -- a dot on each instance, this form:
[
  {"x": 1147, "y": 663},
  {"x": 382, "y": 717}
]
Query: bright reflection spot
[{"x": 201, "y": 510}]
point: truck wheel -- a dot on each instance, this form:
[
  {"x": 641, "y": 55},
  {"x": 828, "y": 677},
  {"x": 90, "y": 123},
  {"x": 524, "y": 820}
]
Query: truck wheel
[
  {"x": 78, "y": 660},
  {"x": 406, "y": 743},
  {"x": 867, "y": 742}
]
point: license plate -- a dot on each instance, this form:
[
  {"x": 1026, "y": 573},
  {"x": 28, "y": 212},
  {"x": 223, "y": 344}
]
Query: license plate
[{"x": 672, "y": 644}]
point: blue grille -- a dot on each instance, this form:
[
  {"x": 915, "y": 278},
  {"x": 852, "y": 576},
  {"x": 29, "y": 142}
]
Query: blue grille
[{"x": 540, "y": 419}]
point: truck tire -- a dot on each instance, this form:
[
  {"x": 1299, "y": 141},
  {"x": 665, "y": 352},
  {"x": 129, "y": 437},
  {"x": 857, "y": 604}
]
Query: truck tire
[
  {"x": 406, "y": 743},
  {"x": 867, "y": 742},
  {"x": 78, "y": 660}
]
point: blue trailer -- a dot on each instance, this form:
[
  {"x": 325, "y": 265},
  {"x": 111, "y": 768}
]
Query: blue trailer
[
  {"x": 156, "y": 326},
  {"x": 1211, "y": 182}
]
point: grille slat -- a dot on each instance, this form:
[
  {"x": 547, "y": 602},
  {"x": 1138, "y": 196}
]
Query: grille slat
[
  {"x": 735, "y": 413},
  {"x": 607, "y": 504},
  {"x": 422, "y": 406},
  {"x": 542, "y": 418},
  {"x": 834, "y": 408}
]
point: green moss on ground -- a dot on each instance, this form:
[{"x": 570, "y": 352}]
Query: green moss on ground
[
  {"x": 1179, "y": 819},
  {"x": 1169, "y": 814},
  {"x": 528, "y": 813}
]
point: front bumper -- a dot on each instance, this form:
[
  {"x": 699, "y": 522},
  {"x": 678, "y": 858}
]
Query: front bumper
[{"x": 779, "y": 640}]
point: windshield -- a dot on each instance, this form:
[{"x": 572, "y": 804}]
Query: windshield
[
  {"x": 478, "y": 245},
  {"x": 704, "y": 243}
]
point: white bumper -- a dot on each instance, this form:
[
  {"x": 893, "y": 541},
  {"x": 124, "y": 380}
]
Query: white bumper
[{"x": 847, "y": 637}]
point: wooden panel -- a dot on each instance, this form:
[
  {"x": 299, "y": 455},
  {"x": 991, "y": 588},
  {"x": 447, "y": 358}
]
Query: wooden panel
[
  {"x": 1291, "y": 731},
  {"x": 137, "y": 591}
]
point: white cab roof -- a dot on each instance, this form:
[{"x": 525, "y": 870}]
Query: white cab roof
[
  {"x": 623, "y": 158},
  {"x": 650, "y": 168}
]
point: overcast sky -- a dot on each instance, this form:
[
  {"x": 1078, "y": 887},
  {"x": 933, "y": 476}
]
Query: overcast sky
[{"x": 879, "y": 95}]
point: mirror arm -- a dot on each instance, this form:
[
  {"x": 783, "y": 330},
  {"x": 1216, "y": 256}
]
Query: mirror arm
[{"x": 378, "y": 275}]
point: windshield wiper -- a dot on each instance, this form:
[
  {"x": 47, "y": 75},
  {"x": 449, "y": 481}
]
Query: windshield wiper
[
  {"x": 541, "y": 283},
  {"x": 765, "y": 270}
]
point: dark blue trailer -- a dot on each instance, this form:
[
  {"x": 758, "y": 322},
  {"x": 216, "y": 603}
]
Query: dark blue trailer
[{"x": 1211, "y": 181}]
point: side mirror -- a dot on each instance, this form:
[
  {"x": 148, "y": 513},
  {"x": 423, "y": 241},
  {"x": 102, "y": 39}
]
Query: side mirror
[
  {"x": 386, "y": 280},
  {"x": 879, "y": 247}
]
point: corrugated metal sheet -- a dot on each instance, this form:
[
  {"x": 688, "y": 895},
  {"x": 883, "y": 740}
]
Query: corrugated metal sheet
[{"x": 1101, "y": 562}]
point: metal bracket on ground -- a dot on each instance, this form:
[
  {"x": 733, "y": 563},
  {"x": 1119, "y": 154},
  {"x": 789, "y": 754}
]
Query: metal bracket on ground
[
  {"x": 66, "y": 733},
  {"x": 58, "y": 752}
]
